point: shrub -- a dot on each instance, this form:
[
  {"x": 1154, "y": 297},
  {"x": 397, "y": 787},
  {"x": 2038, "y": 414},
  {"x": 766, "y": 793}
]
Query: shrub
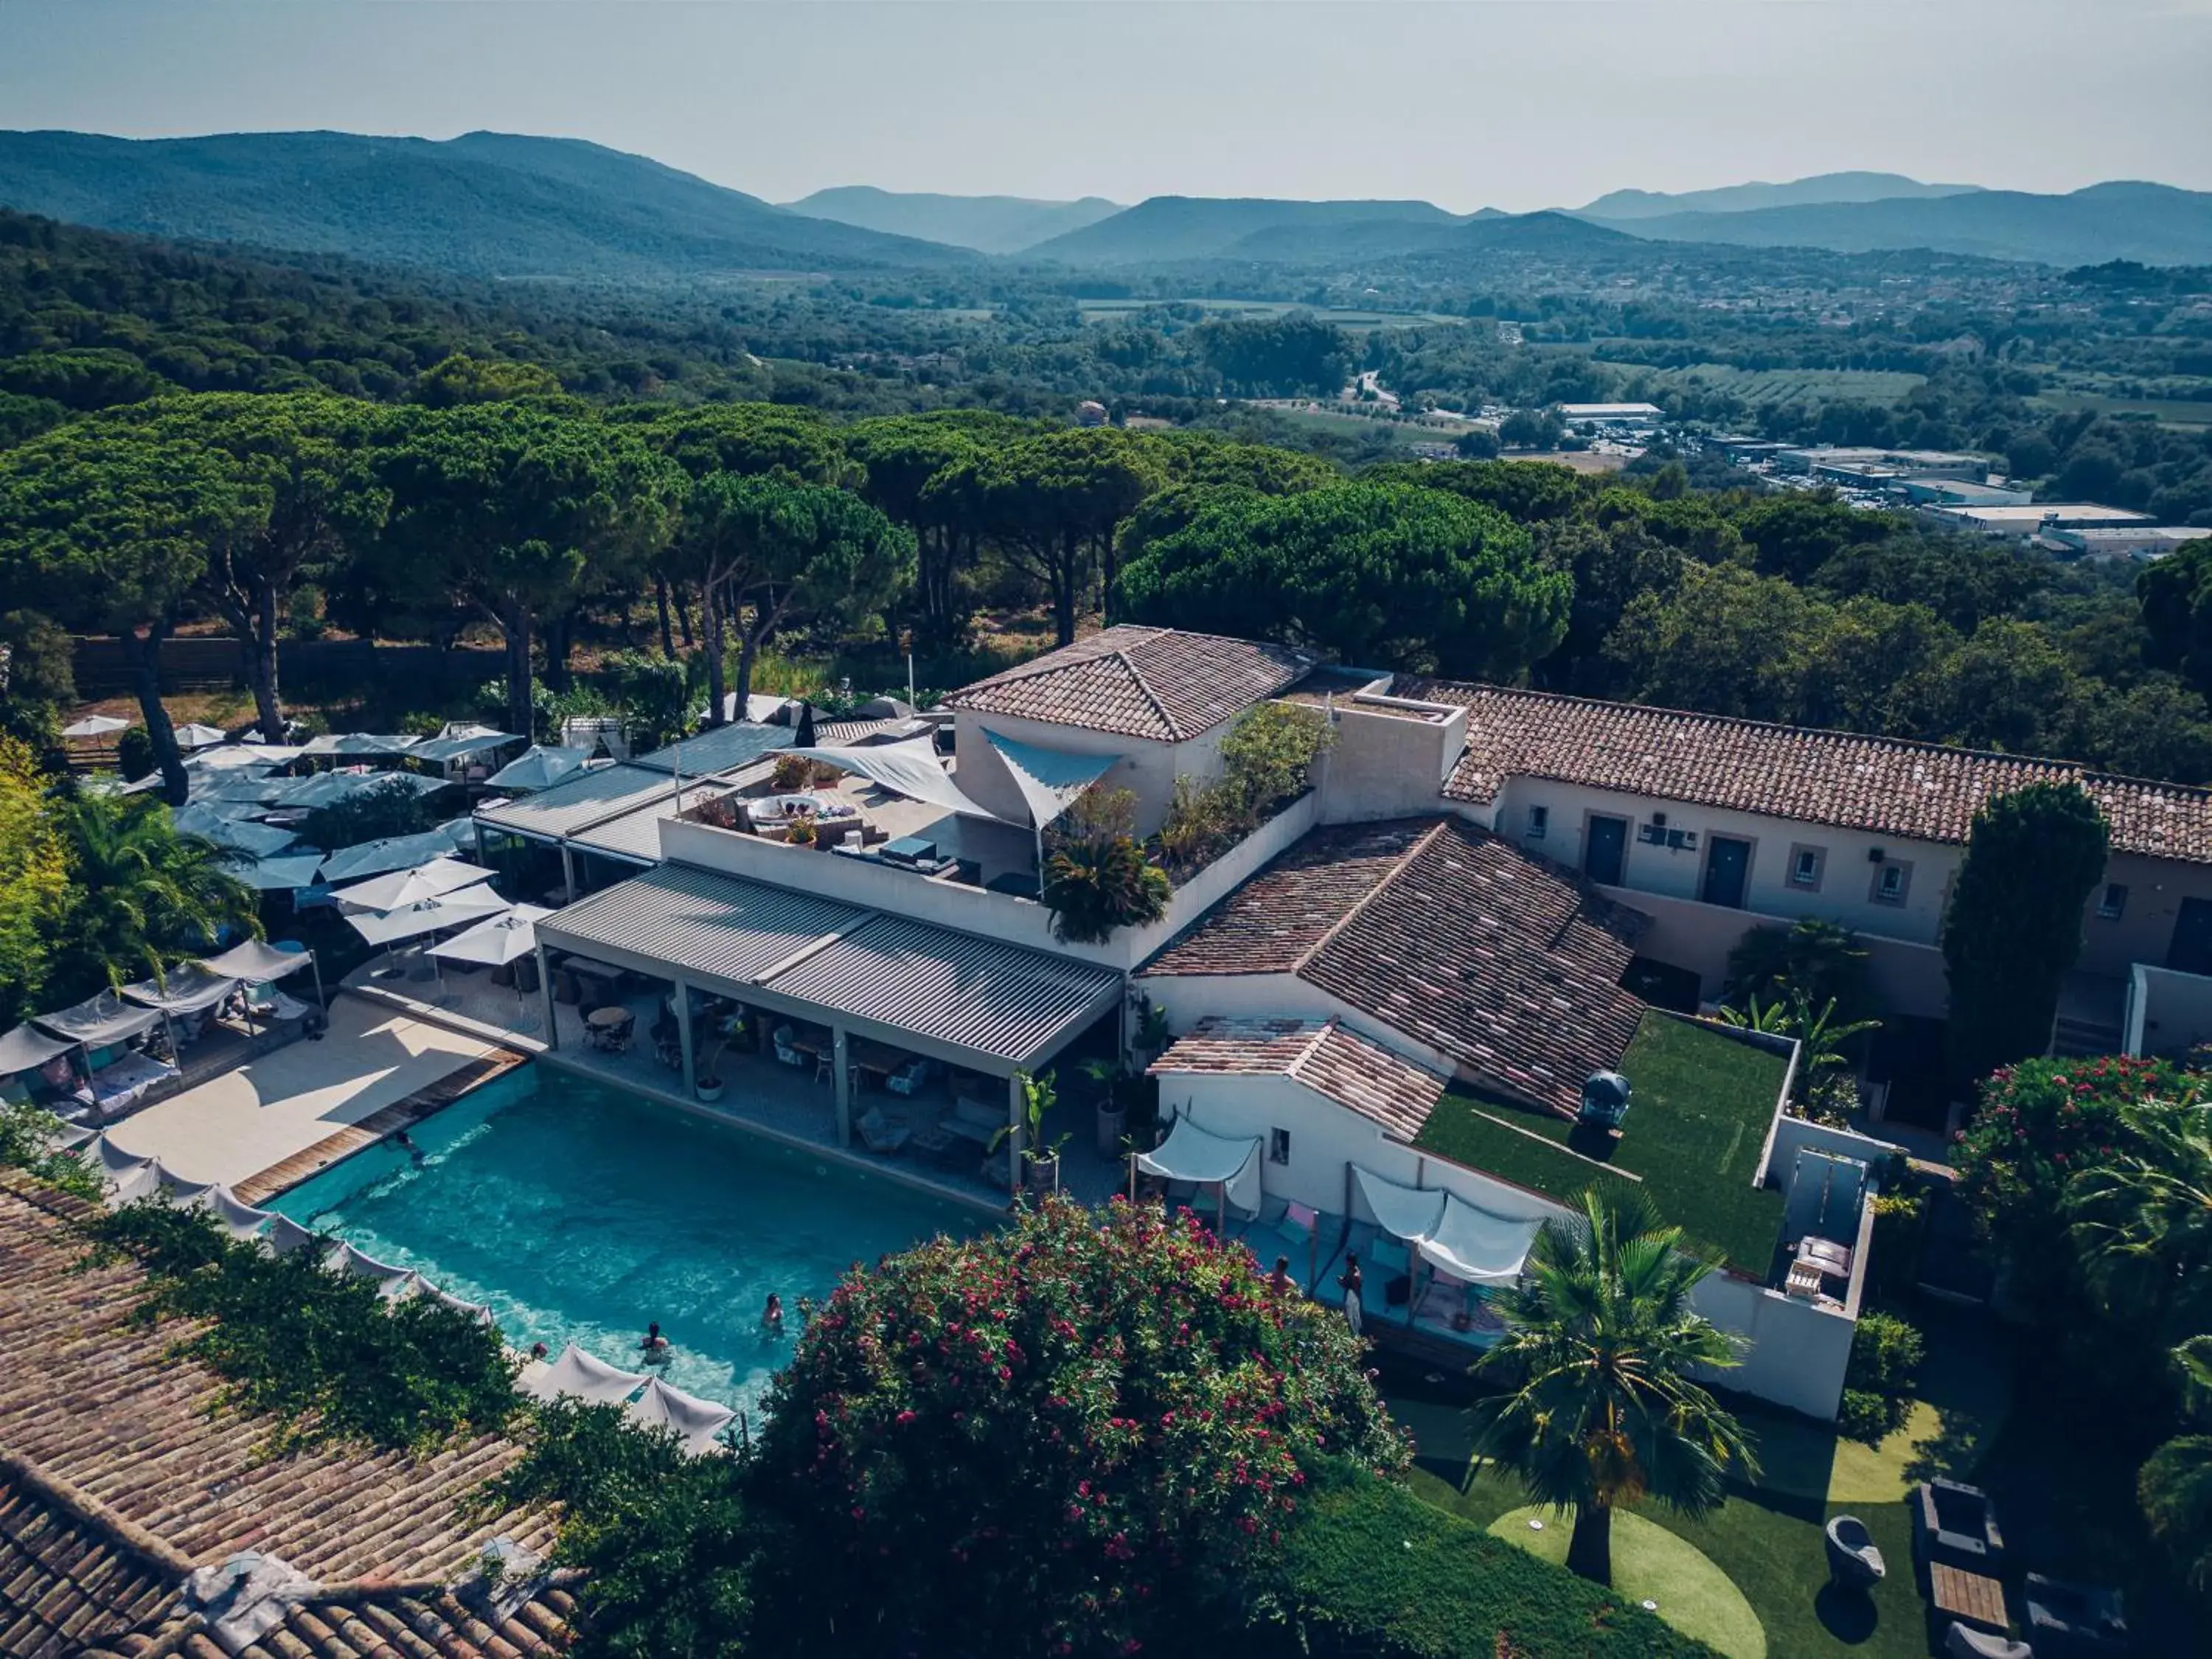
[
  {"x": 326, "y": 1355},
  {"x": 134, "y": 754},
  {"x": 1268, "y": 756},
  {"x": 1812, "y": 961},
  {"x": 26, "y": 1132},
  {"x": 1067, "y": 1436},
  {"x": 795, "y": 772},
  {"x": 1093, "y": 887},
  {"x": 1886, "y": 1354},
  {"x": 1898, "y": 1220}
]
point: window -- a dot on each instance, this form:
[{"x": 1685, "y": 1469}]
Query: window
[
  {"x": 1279, "y": 1145},
  {"x": 2114, "y": 901},
  {"x": 1807, "y": 864},
  {"x": 1892, "y": 880},
  {"x": 1539, "y": 820}
]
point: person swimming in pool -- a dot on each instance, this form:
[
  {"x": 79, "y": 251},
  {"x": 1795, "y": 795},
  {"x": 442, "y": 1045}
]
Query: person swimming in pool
[
  {"x": 772, "y": 1316},
  {"x": 655, "y": 1346}
]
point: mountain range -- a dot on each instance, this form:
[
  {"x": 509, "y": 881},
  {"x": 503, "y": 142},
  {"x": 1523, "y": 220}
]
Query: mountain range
[
  {"x": 484, "y": 205},
  {"x": 989, "y": 224},
  {"x": 1745, "y": 198},
  {"x": 502, "y": 206}
]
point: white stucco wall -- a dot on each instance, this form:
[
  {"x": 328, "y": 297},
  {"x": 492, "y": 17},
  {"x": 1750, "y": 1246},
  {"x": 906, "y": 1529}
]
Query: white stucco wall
[
  {"x": 1797, "y": 1352},
  {"x": 2144, "y": 929},
  {"x": 2167, "y": 1012},
  {"x": 1387, "y": 766}
]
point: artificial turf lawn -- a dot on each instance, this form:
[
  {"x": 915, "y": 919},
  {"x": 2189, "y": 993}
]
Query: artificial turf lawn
[
  {"x": 1649, "y": 1563},
  {"x": 1697, "y": 1124}
]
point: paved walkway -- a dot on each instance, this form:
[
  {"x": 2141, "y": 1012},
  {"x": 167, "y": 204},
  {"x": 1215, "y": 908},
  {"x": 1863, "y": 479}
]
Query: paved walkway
[{"x": 280, "y": 1105}]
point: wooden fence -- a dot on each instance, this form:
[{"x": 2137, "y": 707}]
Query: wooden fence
[{"x": 306, "y": 668}]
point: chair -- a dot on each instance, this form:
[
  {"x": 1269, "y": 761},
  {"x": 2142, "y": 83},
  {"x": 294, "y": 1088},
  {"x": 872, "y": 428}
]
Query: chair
[
  {"x": 1962, "y": 1642},
  {"x": 825, "y": 1069},
  {"x": 911, "y": 1077},
  {"x": 881, "y": 1134},
  {"x": 2072, "y": 1620},
  {"x": 1854, "y": 1561},
  {"x": 783, "y": 1040}
]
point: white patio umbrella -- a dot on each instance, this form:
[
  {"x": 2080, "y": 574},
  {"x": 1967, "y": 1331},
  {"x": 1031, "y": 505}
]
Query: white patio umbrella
[
  {"x": 538, "y": 767},
  {"x": 429, "y": 916},
  {"x": 404, "y": 887},
  {"x": 497, "y": 942},
  {"x": 193, "y": 735},
  {"x": 248, "y": 754},
  {"x": 259, "y": 839},
  {"x": 373, "y": 858},
  {"x": 95, "y": 725}
]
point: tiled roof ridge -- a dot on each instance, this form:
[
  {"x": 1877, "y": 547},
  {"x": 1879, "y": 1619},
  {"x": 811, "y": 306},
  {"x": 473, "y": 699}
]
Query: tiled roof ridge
[
  {"x": 1313, "y": 1046},
  {"x": 68, "y": 1499},
  {"x": 1121, "y": 655},
  {"x": 1741, "y": 722},
  {"x": 1404, "y": 862}
]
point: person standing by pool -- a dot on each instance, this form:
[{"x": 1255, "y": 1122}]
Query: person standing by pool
[
  {"x": 772, "y": 1316},
  {"x": 655, "y": 1345},
  {"x": 1353, "y": 1307}
]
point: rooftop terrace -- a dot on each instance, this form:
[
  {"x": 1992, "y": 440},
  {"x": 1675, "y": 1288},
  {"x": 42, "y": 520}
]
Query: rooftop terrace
[{"x": 1694, "y": 1135}]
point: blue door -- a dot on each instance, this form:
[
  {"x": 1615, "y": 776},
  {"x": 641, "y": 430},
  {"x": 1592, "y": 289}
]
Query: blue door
[
  {"x": 1605, "y": 844},
  {"x": 1728, "y": 863}
]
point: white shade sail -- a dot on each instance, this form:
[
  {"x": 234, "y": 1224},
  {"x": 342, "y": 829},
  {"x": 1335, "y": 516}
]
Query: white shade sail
[
  {"x": 254, "y": 960},
  {"x": 428, "y": 915},
  {"x": 97, "y": 1020},
  {"x": 286, "y": 1235},
  {"x": 1192, "y": 1154},
  {"x": 1050, "y": 780},
  {"x": 577, "y": 1374},
  {"x": 374, "y": 858},
  {"x": 259, "y": 839},
  {"x": 431, "y": 880},
  {"x": 538, "y": 767},
  {"x": 912, "y": 770},
  {"x": 193, "y": 735},
  {"x": 234, "y": 1216},
  {"x": 185, "y": 990},
  {"x": 1466, "y": 1242},
  {"x": 499, "y": 940},
  {"x": 26, "y": 1049},
  {"x": 391, "y": 1282},
  {"x": 696, "y": 1421},
  {"x": 95, "y": 725}
]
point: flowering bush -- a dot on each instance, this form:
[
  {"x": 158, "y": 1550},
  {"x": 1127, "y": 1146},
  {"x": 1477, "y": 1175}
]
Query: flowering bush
[
  {"x": 1063, "y": 1438},
  {"x": 2039, "y": 1124}
]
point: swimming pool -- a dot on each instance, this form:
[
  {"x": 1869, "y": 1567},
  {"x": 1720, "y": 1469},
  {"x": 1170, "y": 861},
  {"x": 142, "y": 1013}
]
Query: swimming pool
[{"x": 577, "y": 1213}]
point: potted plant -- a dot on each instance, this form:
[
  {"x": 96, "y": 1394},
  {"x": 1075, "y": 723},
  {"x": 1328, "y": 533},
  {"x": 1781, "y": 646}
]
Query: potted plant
[
  {"x": 1113, "y": 1115},
  {"x": 1040, "y": 1159},
  {"x": 708, "y": 1087},
  {"x": 800, "y": 832}
]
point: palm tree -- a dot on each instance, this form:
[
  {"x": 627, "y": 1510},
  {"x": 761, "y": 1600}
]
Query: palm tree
[
  {"x": 144, "y": 897},
  {"x": 2143, "y": 1223},
  {"x": 1601, "y": 1336}
]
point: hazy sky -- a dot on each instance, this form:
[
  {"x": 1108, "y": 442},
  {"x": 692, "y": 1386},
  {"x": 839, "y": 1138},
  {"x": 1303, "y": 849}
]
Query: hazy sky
[{"x": 1516, "y": 103}]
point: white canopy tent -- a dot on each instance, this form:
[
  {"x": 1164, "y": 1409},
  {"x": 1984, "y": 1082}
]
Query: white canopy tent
[
  {"x": 286, "y": 1235},
  {"x": 185, "y": 990},
  {"x": 254, "y": 960},
  {"x": 240, "y": 835},
  {"x": 910, "y": 769},
  {"x": 391, "y": 1282},
  {"x": 432, "y": 880},
  {"x": 428, "y": 915},
  {"x": 577, "y": 1374},
  {"x": 234, "y": 1216},
  {"x": 1190, "y": 1153},
  {"x": 285, "y": 873},
  {"x": 98, "y": 1020},
  {"x": 538, "y": 767},
  {"x": 26, "y": 1049},
  {"x": 374, "y": 858},
  {"x": 458, "y": 741},
  {"x": 695, "y": 1421},
  {"x": 1466, "y": 1242}
]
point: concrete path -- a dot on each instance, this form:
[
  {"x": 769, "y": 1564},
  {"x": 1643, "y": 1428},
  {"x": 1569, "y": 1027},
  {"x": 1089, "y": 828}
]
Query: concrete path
[{"x": 275, "y": 1107}]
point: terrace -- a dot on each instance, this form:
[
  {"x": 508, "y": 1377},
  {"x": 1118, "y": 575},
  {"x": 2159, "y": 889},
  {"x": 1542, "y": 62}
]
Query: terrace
[{"x": 1695, "y": 1139}]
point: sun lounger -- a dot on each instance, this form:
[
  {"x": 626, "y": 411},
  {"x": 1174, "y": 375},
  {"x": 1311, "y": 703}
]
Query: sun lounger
[
  {"x": 881, "y": 1134},
  {"x": 972, "y": 1120}
]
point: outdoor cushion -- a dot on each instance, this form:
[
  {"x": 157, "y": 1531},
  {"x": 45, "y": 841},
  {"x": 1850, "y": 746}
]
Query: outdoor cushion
[
  {"x": 1298, "y": 1216},
  {"x": 1961, "y": 1643}
]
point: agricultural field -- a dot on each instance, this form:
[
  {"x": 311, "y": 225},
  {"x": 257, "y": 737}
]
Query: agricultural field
[
  {"x": 1763, "y": 387},
  {"x": 2167, "y": 411},
  {"x": 1106, "y": 311}
]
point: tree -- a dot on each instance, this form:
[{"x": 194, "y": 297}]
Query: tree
[
  {"x": 2175, "y": 596},
  {"x": 900, "y": 458},
  {"x": 1818, "y": 961},
  {"x": 2013, "y": 927},
  {"x": 1072, "y": 1435},
  {"x": 112, "y": 538},
  {"x": 1600, "y": 1335},
  {"x": 1370, "y": 572},
  {"x": 35, "y": 883},
  {"x": 1530, "y": 429},
  {"x": 460, "y": 378},
  {"x": 515, "y": 511},
  {"x": 1052, "y": 504},
  {"x": 306, "y": 459},
  {"x": 143, "y": 897}
]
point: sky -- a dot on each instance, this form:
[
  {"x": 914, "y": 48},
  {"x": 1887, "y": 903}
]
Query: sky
[{"x": 1517, "y": 104}]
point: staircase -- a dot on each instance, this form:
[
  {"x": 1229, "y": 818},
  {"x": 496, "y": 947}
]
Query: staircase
[{"x": 2072, "y": 1039}]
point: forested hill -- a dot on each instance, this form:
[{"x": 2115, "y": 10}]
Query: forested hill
[
  {"x": 2153, "y": 224},
  {"x": 1169, "y": 227},
  {"x": 989, "y": 224},
  {"x": 485, "y": 205},
  {"x": 90, "y": 320},
  {"x": 1743, "y": 199}
]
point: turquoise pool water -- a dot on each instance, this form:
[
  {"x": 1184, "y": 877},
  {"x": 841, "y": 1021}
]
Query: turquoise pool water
[{"x": 578, "y": 1212}]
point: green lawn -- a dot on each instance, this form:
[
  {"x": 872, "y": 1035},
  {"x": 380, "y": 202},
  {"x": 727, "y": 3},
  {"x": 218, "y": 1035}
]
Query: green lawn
[
  {"x": 1650, "y": 1563},
  {"x": 1696, "y": 1125}
]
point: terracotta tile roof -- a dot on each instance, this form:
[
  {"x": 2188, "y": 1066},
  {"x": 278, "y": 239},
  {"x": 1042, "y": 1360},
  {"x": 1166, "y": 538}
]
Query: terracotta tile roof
[
  {"x": 118, "y": 1474},
  {"x": 1337, "y": 1064},
  {"x": 1500, "y": 960},
  {"x": 1274, "y": 920},
  {"x": 1156, "y": 682},
  {"x": 1881, "y": 784}
]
